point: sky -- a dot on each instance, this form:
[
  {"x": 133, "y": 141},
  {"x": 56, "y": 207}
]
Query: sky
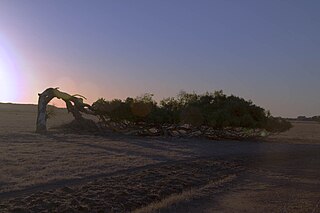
[{"x": 267, "y": 51}]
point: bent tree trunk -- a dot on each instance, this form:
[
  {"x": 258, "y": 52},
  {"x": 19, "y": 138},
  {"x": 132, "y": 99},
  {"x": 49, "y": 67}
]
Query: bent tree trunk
[{"x": 74, "y": 105}]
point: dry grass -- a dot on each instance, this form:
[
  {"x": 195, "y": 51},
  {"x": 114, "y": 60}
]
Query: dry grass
[
  {"x": 28, "y": 159},
  {"x": 170, "y": 203},
  {"x": 41, "y": 165},
  {"x": 302, "y": 132},
  {"x": 125, "y": 192}
]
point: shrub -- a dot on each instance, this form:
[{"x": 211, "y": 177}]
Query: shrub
[
  {"x": 212, "y": 109},
  {"x": 277, "y": 124}
]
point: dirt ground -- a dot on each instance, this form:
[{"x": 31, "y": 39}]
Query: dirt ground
[{"x": 61, "y": 172}]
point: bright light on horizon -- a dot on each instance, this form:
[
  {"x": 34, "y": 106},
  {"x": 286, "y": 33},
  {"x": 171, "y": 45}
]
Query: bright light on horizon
[
  {"x": 8, "y": 78},
  {"x": 4, "y": 82}
]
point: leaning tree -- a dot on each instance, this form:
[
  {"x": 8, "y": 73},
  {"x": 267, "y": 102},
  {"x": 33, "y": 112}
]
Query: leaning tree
[{"x": 74, "y": 104}]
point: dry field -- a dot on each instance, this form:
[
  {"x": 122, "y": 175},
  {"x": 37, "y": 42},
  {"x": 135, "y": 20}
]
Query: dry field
[
  {"x": 302, "y": 132},
  {"x": 67, "y": 172}
]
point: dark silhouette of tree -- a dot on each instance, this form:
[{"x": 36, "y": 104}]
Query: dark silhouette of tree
[{"x": 74, "y": 104}]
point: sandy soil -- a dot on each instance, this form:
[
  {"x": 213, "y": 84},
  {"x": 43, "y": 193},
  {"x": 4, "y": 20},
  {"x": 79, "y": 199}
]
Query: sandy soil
[{"x": 62, "y": 172}]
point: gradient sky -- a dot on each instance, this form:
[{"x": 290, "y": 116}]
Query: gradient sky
[{"x": 267, "y": 51}]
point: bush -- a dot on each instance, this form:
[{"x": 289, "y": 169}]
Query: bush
[
  {"x": 277, "y": 124},
  {"x": 211, "y": 109}
]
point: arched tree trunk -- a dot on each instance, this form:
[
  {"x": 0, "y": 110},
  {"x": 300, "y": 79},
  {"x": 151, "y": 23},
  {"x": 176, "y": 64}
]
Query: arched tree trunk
[{"x": 74, "y": 105}]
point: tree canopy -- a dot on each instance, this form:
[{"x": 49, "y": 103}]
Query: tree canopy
[{"x": 214, "y": 109}]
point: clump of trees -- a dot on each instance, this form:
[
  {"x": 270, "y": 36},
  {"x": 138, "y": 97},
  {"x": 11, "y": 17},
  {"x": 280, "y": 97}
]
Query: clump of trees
[{"x": 214, "y": 109}]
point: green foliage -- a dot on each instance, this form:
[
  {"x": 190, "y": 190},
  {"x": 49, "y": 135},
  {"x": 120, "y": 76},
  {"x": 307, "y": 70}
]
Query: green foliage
[
  {"x": 133, "y": 110},
  {"x": 212, "y": 109},
  {"x": 115, "y": 110},
  {"x": 277, "y": 124}
]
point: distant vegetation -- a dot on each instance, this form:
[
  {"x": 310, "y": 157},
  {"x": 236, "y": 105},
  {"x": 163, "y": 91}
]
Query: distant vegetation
[
  {"x": 304, "y": 118},
  {"x": 215, "y": 110}
]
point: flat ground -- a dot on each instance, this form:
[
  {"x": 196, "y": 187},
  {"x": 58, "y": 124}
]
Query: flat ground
[{"x": 61, "y": 172}]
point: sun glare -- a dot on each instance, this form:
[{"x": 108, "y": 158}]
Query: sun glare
[
  {"x": 7, "y": 83},
  {"x": 3, "y": 81}
]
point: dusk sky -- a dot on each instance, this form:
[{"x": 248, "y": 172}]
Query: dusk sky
[{"x": 267, "y": 51}]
